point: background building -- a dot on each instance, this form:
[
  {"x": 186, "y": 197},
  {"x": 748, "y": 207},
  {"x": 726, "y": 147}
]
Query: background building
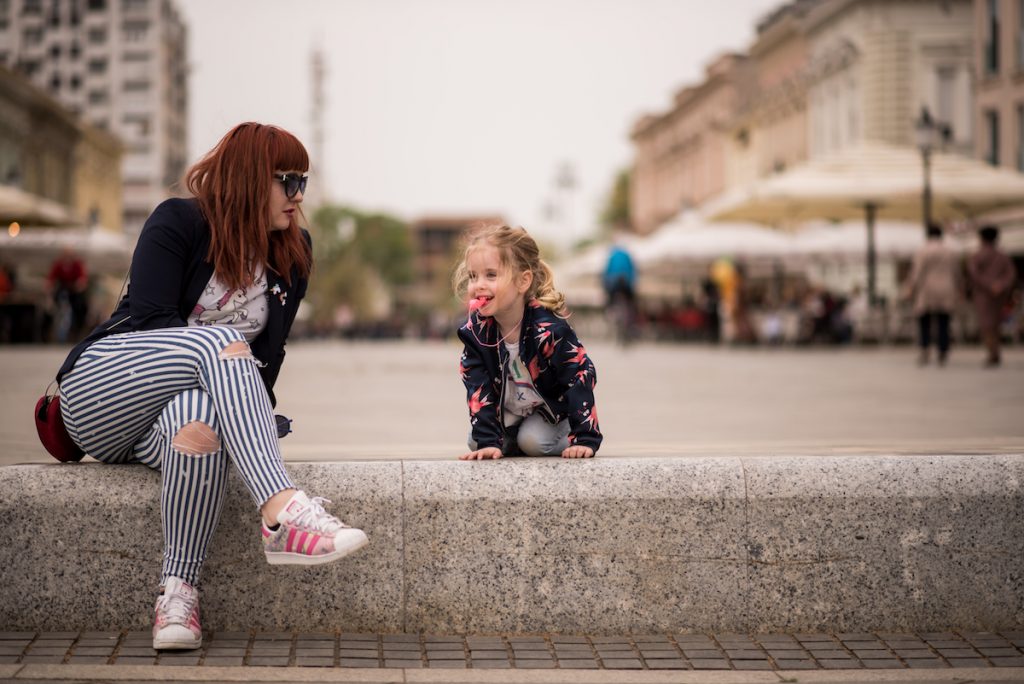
[
  {"x": 120, "y": 66},
  {"x": 821, "y": 76}
]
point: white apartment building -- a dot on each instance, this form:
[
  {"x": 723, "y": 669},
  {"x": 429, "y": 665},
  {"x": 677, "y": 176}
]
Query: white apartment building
[{"x": 120, "y": 65}]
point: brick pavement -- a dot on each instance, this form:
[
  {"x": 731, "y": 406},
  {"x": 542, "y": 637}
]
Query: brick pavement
[{"x": 841, "y": 651}]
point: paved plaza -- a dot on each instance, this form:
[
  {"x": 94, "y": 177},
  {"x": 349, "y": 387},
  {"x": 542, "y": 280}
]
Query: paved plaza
[{"x": 404, "y": 400}]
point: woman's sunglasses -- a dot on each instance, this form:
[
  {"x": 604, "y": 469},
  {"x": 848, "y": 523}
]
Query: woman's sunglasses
[{"x": 293, "y": 183}]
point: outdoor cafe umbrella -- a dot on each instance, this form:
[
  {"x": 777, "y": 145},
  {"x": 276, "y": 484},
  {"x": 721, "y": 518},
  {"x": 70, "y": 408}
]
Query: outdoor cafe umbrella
[
  {"x": 27, "y": 208},
  {"x": 102, "y": 250},
  {"x": 871, "y": 180}
]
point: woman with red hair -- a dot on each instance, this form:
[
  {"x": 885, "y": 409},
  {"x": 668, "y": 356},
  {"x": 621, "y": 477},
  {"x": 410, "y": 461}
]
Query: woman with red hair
[{"x": 181, "y": 376}]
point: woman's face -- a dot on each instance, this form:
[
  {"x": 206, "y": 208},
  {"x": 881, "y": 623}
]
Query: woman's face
[{"x": 283, "y": 208}]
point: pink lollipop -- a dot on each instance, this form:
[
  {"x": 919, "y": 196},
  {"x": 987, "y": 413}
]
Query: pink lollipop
[{"x": 476, "y": 303}]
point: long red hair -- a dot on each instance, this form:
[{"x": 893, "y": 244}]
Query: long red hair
[{"x": 232, "y": 184}]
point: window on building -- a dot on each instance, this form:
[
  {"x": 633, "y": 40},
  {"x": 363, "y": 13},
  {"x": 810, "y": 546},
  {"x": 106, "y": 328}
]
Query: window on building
[
  {"x": 5, "y": 7},
  {"x": 135, "y": 31},
  {"x": 32, "y": 35},
  {"x": 98, "y": 97},
  {"x": 136, "y": 85},
  {"x": 135, "y": 56},
  {"x": 134, "y": 5},
  {"x": 992, "y": 133},
  {"x": 75, "y": 51},
  {"x": 97, "y": 66},
  {"x": 55, "y": 81},
  {"x": 992, "y": 37},
  {"x": 1020, "y": 35},
  {"x": 945, "y": 85},
  {"x": 54, "y": 51},
  {"x": 1020, "y": 137},
  {"x": 97, "y": 5},
  {"x": 75, "y": 82},
  {"x": 32, "y": 7},
  {"x": 140, "y": 122},
  {"x": 98, "y": 34}
]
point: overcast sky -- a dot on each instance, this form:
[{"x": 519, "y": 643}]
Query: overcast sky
[{"x": 458, "y": 106}]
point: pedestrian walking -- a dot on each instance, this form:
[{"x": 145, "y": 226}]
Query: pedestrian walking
[
  {"x": 934, "y": 287},
  {"x": 181, "y": 377},
  {"x": 529, "y": 381},
  {"x": 992, "y": 276}
]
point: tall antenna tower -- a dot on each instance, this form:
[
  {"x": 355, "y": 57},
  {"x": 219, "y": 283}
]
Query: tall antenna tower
[{"x": 319, "y": 154}]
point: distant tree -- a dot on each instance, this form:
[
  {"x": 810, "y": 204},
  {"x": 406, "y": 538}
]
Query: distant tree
[
  {"x": 355, "y": 256},
  {"x": 615, "y": 214}
]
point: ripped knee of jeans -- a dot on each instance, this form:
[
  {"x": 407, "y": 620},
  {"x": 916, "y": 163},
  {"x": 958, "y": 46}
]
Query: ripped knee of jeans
[
  {"x": 235, "y": 350},
  {"x": 196, "y": 439}
]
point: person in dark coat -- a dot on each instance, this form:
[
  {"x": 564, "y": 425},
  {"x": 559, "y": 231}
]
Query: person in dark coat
[{"x": 992, "y": 276}]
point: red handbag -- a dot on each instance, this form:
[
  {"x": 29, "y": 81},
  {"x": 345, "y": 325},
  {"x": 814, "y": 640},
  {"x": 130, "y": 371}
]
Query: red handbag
[{"x": 52, "y": 433}]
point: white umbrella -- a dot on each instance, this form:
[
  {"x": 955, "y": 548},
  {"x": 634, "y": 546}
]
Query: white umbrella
[
  {"x": 895, "y": 238},
  {"x": 25, "y": 207},
  {"x": 890, "y": 179},
  {"x": 102, "y": 250},
  {"x": 873, "y": 180},
  {"x": 691, "y": 238}
]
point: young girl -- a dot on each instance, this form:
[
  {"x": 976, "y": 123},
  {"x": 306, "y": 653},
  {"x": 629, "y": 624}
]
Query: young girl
[
  {"x": 529, "y": 381},
  {"x": 182, "y": 382}
]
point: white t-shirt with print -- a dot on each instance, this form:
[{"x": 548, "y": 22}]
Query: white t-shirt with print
[
  {"x": 244, "y": 310},
  {"x": 521, "y": 396}
]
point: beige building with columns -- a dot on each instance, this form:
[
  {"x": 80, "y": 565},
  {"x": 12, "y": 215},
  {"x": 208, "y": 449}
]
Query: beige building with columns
[
  {"x": 821, "y": 76},
  {"x": 999, "y": 96},
  {"x": 681, "y": 154}
]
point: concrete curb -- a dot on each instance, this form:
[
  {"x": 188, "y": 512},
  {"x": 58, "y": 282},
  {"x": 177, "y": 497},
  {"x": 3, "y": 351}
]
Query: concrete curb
[{"x": 544, "y": 546}]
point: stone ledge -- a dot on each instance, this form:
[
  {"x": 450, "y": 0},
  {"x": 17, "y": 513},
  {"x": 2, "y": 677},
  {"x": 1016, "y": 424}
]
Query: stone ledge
[{"x": 607, "y": 546}]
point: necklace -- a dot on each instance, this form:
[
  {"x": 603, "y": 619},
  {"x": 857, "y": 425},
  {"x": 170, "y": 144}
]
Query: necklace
[{"x": 512, "y": 330}]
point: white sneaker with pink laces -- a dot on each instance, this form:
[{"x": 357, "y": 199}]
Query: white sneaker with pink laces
[
  {"x": 176, "y": 626},
  {"x": 309, "y": 535}
]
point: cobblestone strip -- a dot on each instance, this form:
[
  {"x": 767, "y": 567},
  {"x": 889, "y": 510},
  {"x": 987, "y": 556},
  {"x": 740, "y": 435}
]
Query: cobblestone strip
[{"x": 813, "y": 651}]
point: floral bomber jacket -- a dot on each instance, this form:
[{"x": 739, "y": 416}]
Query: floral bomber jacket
[{"x": 558, "y": 364}]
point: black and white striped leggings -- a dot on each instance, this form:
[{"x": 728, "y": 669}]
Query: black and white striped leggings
[{"x": 127, "y": 397}]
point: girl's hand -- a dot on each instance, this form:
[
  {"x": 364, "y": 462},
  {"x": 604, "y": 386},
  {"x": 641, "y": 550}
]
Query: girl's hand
[
  {"x": 481, "y": 454},
  {"x": 578, "y": 452}
]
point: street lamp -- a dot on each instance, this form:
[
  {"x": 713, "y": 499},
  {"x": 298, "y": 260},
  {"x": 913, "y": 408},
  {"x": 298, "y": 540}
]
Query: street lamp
[{"x": 929, "y": 132}]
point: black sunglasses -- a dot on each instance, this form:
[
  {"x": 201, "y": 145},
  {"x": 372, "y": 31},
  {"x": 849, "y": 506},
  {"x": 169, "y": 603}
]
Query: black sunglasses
[{"x": 293, "y": 183}]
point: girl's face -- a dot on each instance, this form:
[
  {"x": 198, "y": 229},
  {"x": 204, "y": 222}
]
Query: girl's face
[
  {"x": 503, "y": 291},
  {"x": 282, "y": 207}
]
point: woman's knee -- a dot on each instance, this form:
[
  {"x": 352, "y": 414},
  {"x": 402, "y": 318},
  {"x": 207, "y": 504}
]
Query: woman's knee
[{"x": 196, "y": 439}]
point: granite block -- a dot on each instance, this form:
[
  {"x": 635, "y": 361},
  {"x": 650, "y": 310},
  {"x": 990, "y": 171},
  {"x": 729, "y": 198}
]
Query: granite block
[
  {"x": 914, "y": 541},
  {"x": 681, "y": 546},
  {"x": 673, "y": 557},
  {"x": 102, "y": 531}
]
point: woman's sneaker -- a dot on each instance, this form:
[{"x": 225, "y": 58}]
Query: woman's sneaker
[
  {"x": 308, "y": 535},
  {"x": 177, "y": 617}
]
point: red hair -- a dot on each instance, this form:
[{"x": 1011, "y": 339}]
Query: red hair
[{"x": 232, "y": 184}]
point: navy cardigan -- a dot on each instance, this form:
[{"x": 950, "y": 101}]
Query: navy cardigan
[{"x": 169, "y": 272}]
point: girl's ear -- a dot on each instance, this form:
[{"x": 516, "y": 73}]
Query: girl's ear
[{"x": 524, "y": 281}]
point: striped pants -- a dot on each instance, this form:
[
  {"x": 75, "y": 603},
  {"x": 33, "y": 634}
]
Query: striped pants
[{"x": 129, "y": 395}]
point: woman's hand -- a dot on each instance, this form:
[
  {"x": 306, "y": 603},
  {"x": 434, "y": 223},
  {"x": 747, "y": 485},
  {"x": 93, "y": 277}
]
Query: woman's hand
[
  {"x": 481, "y": 454},
  {"x": 578, "y": 452}
]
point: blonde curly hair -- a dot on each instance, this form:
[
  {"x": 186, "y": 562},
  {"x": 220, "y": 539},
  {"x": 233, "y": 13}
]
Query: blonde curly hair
[{"x": 517, "y": 251}]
